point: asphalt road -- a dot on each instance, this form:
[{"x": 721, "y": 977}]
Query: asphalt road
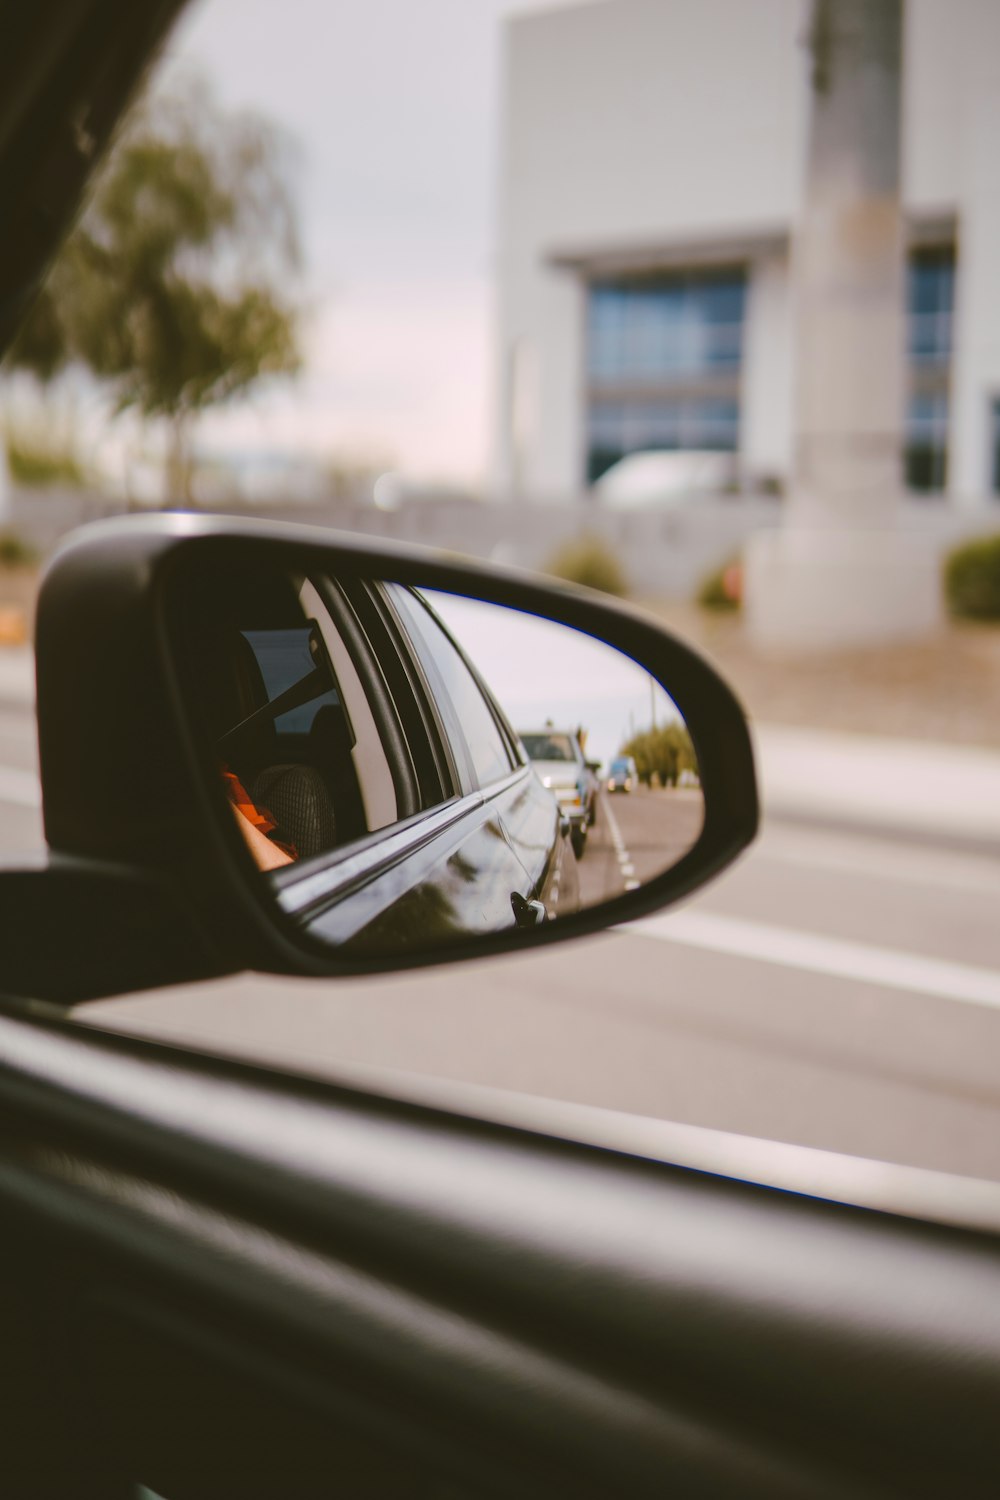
[
  {"x": 835, "y": 990},
  {"x": 636, "y": 836}
]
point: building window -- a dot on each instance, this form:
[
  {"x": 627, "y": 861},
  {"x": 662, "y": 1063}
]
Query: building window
[
  {"x": 664, "y": 359},
  {"x": 930, "y": 307},
  {"x": 927, "y": 442}
]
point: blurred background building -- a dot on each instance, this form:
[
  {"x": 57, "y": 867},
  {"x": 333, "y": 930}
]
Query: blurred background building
[{"x": 652, "y": 169}]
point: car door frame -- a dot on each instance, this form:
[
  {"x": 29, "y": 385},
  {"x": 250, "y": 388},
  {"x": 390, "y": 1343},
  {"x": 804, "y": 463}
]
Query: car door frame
[
  {"x": 343, "y": 890},
  {"x": 221, "y": 1280}
]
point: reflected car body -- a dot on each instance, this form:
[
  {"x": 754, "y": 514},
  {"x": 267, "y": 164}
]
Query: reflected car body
[
  {"x": 622, "y": 774},
  {"x": 560, "y": 766},
  {"x": 593, "y": 791},
  {"x": 383, "y": 761}
]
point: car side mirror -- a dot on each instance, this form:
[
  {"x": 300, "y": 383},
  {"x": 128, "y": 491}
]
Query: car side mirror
[{"x": 269, "y": 747}]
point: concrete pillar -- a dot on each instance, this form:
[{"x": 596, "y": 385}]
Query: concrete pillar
[{"x": 842, "y": 570}]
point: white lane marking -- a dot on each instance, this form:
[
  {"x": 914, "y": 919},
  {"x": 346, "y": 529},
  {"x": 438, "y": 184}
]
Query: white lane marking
[
  {"x": 627, "y": 869},
  {"x": 21, "y": 787},
  {"x": 816, "y": 954},
  {"x": 616, "y": 833}
]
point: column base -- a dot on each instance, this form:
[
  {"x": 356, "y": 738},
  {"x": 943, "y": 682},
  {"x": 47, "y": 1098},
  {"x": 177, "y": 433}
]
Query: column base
[{"x": 817, "y": 589}]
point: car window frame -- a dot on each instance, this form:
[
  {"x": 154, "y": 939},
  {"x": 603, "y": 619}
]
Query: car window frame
[
  {"x": 347, "y": 621},
  {"x": 506, "y": 734},
  {"x": 435, "y": 774},
  {"x": 309, "y": 886},
  {"x": 431, "y": 700}
]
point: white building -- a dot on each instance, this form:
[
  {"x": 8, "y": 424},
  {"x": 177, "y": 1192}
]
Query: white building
[{"x": 652, "y": 170}]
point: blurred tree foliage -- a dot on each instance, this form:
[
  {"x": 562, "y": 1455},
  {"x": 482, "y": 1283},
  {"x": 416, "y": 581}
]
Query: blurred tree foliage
[
  {"x": 664, "y": 753},
  {"x": 15, "y": 552},
  {"x": 172, "y": 288},
  {"x": 40, "y": 464},
  {"x": 589, "y": 561}
]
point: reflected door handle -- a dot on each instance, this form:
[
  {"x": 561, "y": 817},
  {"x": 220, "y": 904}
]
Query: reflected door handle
[{"x": 526, "y": 913}]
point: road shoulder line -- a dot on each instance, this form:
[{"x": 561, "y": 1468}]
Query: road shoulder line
[{"x": 839, "y": 958}]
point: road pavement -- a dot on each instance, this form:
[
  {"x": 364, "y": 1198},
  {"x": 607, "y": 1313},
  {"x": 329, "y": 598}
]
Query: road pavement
[
  {"x": 836, "y": 988},
  {"x": 636, "y": 836}
]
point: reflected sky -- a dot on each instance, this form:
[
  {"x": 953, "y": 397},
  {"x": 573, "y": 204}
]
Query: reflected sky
[{"x": 540, "y": 670}]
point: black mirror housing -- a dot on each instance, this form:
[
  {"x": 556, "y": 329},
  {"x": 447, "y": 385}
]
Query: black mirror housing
[{"x": 146, "y": 870}]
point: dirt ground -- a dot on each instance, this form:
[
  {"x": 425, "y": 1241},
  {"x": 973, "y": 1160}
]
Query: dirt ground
[{"x": 946, "y": 689}]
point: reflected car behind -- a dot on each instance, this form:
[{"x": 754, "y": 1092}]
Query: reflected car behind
[
  {"x": 622, "y": 774},
  {"x": 560, "y": 766}
]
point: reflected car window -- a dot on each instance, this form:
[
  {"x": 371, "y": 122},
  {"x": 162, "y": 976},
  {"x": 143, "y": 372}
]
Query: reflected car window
[
  {"x": 284, "y": 659},
  {"x": 549, "y": 746},
  {"x": 491, "y": 758}
]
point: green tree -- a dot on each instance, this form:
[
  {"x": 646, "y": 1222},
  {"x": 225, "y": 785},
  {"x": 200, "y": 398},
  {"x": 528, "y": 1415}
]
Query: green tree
[
  {"x": 171, "y": 289},
  {"x": 665, "y": 752}
]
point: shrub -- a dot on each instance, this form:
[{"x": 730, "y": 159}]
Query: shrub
[
  {"x": 35, "y": 463},
  {"x": 722, "y": 588},
  {"x": 14, "y": 552},
  {"x": 589, "y": 561},
  {"x": 972, "y": 579}
]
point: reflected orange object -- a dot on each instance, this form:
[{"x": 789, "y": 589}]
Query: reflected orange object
[{"x": 258, "y": 817}]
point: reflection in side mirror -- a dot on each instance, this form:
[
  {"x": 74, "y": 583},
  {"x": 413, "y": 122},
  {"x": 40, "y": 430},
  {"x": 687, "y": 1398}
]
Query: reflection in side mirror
[
  {"x": 578, "y": 704},
  {"x": 413, "y": 769}
]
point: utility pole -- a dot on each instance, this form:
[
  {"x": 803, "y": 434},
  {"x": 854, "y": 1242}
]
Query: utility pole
[{"x": 843, "y": 569}]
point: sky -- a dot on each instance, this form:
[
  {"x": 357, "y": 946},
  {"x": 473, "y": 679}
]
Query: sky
[
  {"x": 539, "y": 670},
  {"x": 393, "y": 107}
]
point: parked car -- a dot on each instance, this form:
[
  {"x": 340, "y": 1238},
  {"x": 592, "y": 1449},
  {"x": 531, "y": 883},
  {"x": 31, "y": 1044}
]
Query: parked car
[
  {"x": 559, "y": 764},
  {"x": 622, "y": 774},
  {"x": 231, "y": 1280},
  {"x": 666, "y": 478},
  {"x": 594, "y": 790}
]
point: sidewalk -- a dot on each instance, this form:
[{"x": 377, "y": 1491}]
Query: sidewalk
[
  {"x": 912, "y": 789},
  {"x": 17, "y": 677}
]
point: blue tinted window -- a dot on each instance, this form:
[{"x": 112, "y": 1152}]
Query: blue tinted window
[
  {"x": 621, "y": 427},
  {"x": 671, "y": 336},
  {"x": 668, "y": 328},
  {"x": 927, "y": 442},
  {"x": 930, "y": 300},
  {"x": 930, "y": 305},
  {"x": 284, "y": 658}
]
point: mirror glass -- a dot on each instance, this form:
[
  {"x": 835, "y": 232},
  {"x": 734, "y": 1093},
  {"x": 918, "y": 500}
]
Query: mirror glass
[{"x": 410, "y": 768}]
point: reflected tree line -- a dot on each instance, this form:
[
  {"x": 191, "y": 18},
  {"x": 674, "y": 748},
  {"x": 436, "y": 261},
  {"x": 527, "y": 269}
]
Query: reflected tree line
[{"x": 663, "y": 755}]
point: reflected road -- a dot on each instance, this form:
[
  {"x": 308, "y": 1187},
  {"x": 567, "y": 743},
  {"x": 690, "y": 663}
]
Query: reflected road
[{"x": 637, "y": 835}]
